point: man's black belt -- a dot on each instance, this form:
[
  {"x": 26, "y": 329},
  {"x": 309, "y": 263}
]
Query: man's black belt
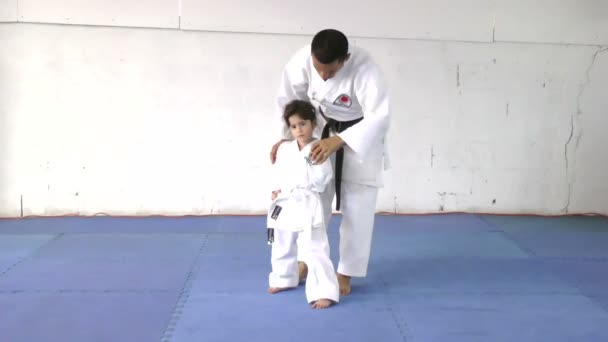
[{"x": 337, "y": 127}]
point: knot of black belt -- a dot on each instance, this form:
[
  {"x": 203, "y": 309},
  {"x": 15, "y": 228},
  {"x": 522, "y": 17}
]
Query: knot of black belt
[{"x": 337, "y": 127}]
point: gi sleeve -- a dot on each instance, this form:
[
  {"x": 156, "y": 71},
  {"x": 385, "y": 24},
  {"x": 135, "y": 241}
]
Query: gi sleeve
[
  {"x": 278, "y": 172},
  {"x": 372, "y": 93},
  {"x": 320, "y": 175},
  {"x": 293, "y": 86}
]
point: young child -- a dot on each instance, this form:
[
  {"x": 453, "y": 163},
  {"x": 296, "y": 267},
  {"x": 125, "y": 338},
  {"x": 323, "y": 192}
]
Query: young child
[{"x": 296, "y": 214}]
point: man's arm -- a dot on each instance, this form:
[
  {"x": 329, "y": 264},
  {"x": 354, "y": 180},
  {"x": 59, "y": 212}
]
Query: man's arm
[
  {"x": 293, "y": 85},
  {"x": 372, "y": 93},
  {"x": 320, "y": 175}
]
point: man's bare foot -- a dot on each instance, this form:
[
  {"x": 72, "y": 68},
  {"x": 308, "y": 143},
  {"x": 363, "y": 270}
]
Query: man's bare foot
[
  {"x": 322, "y": 303},
  {"x": 273, "y": 290},
  {"x": 344, "y": 282},
  {"x": 302, "y": 271}
]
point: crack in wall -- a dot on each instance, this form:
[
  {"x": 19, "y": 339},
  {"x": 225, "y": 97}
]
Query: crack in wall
[
  {"x": 494, "y": 28},
  {"x": 574, "y": 117}
]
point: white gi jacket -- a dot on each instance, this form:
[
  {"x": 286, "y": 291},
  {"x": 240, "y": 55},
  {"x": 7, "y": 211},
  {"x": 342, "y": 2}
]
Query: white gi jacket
[
  {"x": 301, "y": 184},
  {"x": 357, "y": 90}
]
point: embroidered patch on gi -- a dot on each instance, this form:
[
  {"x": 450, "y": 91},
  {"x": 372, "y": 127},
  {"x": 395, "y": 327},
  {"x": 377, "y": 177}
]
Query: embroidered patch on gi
[
  {"x": 308, "y": 160},
  {"x": 276, "y": 212},
  {"x": 343, "y": 101}
]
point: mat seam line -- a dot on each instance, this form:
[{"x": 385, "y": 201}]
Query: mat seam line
[
  {"x": 509, "y": 237},
  {"x": 395, "y": 312},
  {"x": 33, "y": 253},
  {"x": 167, "y": 334}
]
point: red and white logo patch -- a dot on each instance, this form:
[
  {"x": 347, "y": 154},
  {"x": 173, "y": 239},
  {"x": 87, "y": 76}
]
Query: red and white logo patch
[{"x": 343, "y": 101}]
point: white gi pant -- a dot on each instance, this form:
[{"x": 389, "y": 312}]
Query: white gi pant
[
  {"x": 358, "y": 208},
  {"x": 313, "y": 248}
]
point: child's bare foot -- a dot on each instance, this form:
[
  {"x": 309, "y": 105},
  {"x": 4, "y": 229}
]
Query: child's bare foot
[
  {"x": 273, "y": 290},
  {"x": 302, "y": 271},
  {"x": 322, "y": 303},
  {"x": 344, "y": 282}
]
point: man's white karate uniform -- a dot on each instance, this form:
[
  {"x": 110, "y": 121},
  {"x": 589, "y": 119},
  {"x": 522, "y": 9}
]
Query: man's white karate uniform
[
  {"x": 357, "y": 90},
  {"x": 299, "y": 227}
]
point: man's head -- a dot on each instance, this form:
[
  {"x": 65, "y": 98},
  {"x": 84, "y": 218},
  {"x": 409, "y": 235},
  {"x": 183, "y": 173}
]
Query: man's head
[{"x": 329, "y": 52}]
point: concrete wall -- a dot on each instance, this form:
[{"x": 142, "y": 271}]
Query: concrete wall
[{"x": 161, "y": 107}]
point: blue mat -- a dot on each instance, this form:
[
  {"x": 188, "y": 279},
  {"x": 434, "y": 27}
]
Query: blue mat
[
  {"x": 480, "y": 276},
  {"x": 421, "y": 245},
  {"x": 548, "y": 224},
  {"x": 431, "y": 278},
  {"x": 236, "y": 275},
  {"x": 121, "y": 246},
  {"x": 587, "y": 275},
  {"x": 85, "y": 316},
  {"x": 75, "y": 275},
  {"x": 562, "y": 237},
  {"x": 438, "y": 223},
  {"x": 601, "y": 300},
  {"x": 282, "y": 317},
  {"x": 16, "y": 247},
  {"x": 498, "y": 318}
]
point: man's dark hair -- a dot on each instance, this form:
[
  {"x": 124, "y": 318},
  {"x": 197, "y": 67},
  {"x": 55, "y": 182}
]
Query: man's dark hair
[
  {"x": 303, "y": 109},
  {"x": 329, "y": 46}
]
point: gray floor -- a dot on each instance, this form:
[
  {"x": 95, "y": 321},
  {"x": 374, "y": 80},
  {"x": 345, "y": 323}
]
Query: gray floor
[{"x": 432, "y": 278}]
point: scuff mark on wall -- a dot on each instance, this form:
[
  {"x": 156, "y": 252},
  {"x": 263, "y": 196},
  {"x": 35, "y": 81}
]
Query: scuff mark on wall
[
  {"x": 442, "y": 195},
  {"x": 395, "y": 204}
]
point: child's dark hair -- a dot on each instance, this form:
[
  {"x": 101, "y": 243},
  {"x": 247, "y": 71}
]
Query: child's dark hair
[
  {"x": 303, "y": 109},
  {"x": 329, "y": 46}
]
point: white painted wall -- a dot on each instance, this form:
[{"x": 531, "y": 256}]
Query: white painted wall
[
  {"x": 8, "y": 11},
  {"x": 469, "y": 20},
  {"x": 139, "y": 121},
  {"x": 134, "y": 13},
  {"x": 552, "y": 21}
]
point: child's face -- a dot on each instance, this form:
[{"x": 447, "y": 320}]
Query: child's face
[{"x": 301, "y": 129}]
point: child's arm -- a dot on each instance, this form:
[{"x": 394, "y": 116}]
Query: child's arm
[{"x": 275, "y": 174}]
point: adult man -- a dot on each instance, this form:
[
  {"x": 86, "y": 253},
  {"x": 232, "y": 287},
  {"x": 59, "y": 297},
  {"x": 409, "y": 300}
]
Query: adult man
[{"x": 352, "y": 104}]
